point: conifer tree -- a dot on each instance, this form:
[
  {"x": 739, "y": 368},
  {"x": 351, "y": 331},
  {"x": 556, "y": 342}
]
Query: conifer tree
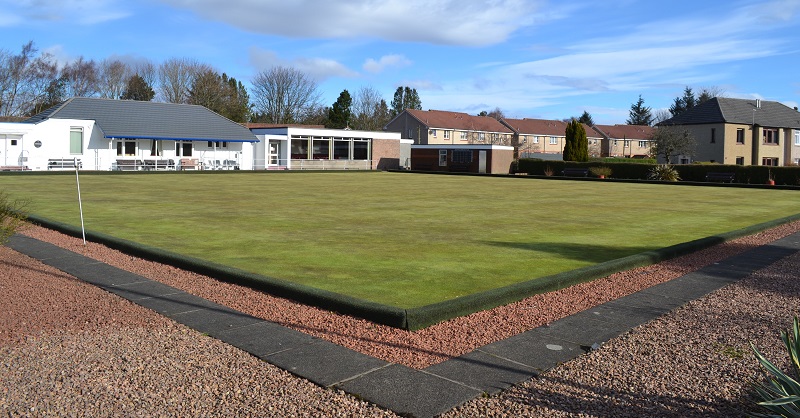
[
  {"x": 576, "y": 146},
  {"x": 339, "y": 114},
  {"x": 640, "y": 114}
]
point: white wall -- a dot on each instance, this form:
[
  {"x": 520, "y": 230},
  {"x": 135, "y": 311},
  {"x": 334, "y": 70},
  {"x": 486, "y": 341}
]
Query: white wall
[{"x": 99, "y": 153}]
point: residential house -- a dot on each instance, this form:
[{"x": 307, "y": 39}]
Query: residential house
[
  {"x": 428, "y": 127},
  {"x": 545, "y": 139},
  {"x": 626, "y": 141},
  {"x": 743, "y": 131},
  {"x": 105, "y": 134},
  {"x": 305, "y": 147}
]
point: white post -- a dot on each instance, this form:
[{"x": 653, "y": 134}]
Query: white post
[{"x": 80, "y": 203}]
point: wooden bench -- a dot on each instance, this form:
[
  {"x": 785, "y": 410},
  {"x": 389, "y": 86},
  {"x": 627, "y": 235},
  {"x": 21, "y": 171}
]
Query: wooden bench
[
  {"x": 575, "y": 172},
  {"x": 125, "y": 165},
  {"x": 721, "y": 177},
  {"x": 63, "y": 163},
  {"x": 189, "y": 164}
]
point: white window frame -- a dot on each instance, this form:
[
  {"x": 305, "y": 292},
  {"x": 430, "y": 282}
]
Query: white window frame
[
  {"x": 553, "y": 140},
  {"x": 446, "y": 134},
  {"x": 442, "y": 157},
  {"x": 75, "y": 134},
  {"x": 797, "y": 137}
]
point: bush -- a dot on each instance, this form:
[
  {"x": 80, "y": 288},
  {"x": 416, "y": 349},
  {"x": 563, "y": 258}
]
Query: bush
[
  {"x": 11, "y": 216},
  {"x": 663, "y": 172},
  {"x": 600, "y": 171},
  {"x": 780, "y": 394}
]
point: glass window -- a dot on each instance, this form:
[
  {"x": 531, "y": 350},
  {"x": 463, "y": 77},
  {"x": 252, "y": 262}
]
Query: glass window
[
  {"x": 186, "y": 149},
  {"x": 126, "y": 148},
  {"x": 739, "y": 160},
  {"x": 642, "y": 144},
  {"x": 463, "y": 156},
  {"x": 464, "y": 135},
  {"x": 771, "y": 136},
  {"x": 155, "y": 148},
  {"x": 433, "y": 133},
  {"x": 341, "y": 149},
  {"x": 360, "y": 150},
  {"x": 713, "y": 135},
  {"x": 322, "y": 149},
  {"x": 797, "y": 137},
  {"x": 740, "y": 136},
  {"x": 769, "y": 161},
  {"x": 299, "y": 148},
  {"x": 553, "y": 140},
  {"x": 76, "y": 140},
  {"x": 442, "y": 157}
]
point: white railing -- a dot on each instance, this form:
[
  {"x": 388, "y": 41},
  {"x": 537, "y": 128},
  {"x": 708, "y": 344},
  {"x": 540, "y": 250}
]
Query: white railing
[
  {"x": 305, "y": 164},
  {"x": 331, "y": 165}
]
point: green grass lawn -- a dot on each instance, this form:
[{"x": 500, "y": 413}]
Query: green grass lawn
[{"x": 404, "y": 240}]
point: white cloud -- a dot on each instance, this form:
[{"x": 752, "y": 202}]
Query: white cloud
[
  {"x": 318, "y": 68},
  {"x": 84, "y": 12},
  {"x": 449, "y": 22},
  {"x": 384, "y": 62}
]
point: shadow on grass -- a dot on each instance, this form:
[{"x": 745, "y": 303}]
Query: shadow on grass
[{"x": 581, "y": 252}]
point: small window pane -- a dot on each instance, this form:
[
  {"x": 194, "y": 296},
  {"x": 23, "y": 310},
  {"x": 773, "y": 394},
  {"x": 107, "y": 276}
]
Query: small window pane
[{"x": 76, "y": 141}]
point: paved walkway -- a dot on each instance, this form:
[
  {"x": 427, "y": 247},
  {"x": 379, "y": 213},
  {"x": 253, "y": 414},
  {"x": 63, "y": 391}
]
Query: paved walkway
[{"x": 406, "y": 391}]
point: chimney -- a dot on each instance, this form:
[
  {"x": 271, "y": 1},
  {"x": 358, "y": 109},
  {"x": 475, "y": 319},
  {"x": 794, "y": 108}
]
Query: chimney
[{"x": 758, "y": 103}]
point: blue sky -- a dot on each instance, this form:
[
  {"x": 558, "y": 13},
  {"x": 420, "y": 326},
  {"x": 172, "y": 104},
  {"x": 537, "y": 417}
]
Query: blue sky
[{"x": 530, "y": 58}]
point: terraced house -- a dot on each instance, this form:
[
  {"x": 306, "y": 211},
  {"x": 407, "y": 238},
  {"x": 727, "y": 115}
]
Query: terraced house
[
  {"x": 545, "y": 139},
  {"x": 743, "y": 131},
  {"x": 626, "y": 141},
  {"x": 428, "y": 127}
]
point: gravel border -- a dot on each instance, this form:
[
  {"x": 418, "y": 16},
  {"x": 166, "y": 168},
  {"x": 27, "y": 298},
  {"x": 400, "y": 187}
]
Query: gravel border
[
  {"x": 69, "y": 348},
  {"x": 437, "y": 343}
]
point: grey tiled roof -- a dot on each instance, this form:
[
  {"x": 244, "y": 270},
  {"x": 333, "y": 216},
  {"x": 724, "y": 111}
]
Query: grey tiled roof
[
  {"x": 149, "y": 120},
  {"x": 739, "y": 111}
]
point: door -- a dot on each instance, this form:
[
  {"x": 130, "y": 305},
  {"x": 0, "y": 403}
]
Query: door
[
  {"x": 274, "y": 156},
  {"x": 482, "y": 162},
  {"x": 12, "y": 150}
]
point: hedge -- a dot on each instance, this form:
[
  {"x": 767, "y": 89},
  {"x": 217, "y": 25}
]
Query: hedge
[{"x": 751, "y": 174}]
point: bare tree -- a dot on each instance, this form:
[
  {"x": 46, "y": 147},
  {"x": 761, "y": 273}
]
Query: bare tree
[
  {"x": 497, "y": 113},
  {"x": 43, "y": 88},
  {"x": 671, "y": 141},
  {"x": 146, "y": 70},
  {"x": 112, "y": 78},
  {"x": 660, "y": 115},
  {"x": 175, "y": 78},
  {"x": 80, "y": 78},
  {"x": 14, "y": 72},
  {"x": 284, "y": 95},
  {"x": 370, "y": 112},
  {"x": 25, "y": 80}
]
